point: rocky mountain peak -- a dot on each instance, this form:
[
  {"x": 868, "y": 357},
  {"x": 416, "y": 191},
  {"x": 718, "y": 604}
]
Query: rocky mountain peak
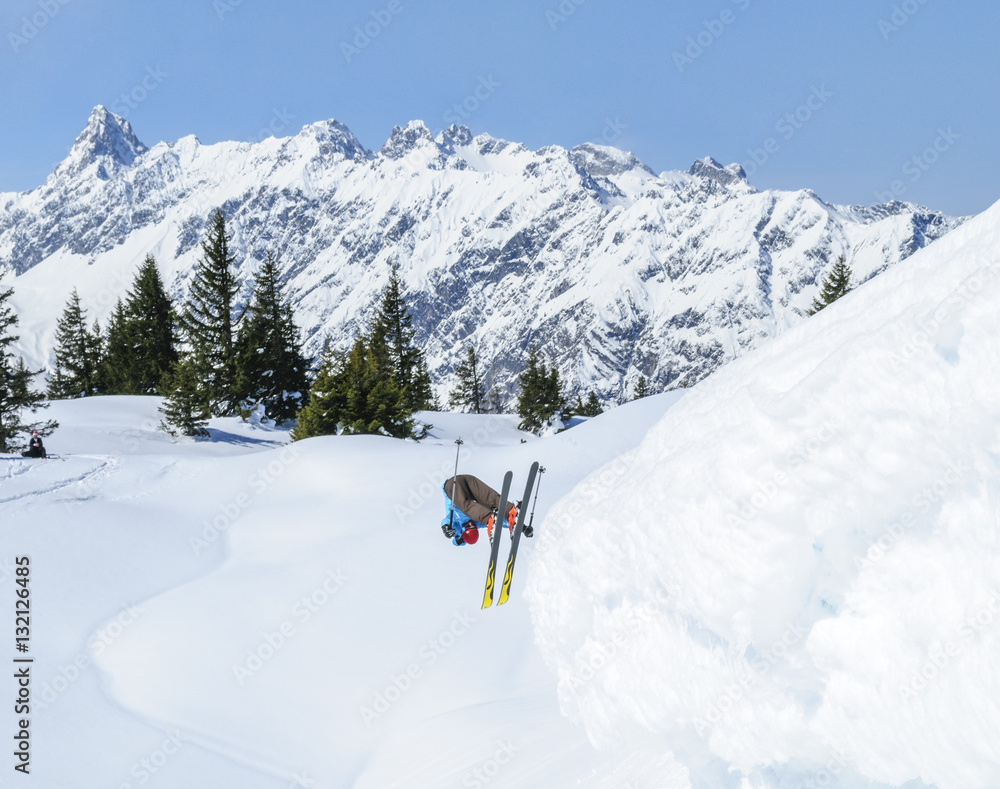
[
  {"x": 335, "y": 138},
  {"x": 603, "y": 160},
  {"x": 714, "y": 171},
  {"x": 108, "y": 141},
  {"x": 405, "y": 139},
  {"x": 455, "y": 135}
]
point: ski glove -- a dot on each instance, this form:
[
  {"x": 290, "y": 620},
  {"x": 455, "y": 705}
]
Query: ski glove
[{"x": 448, "y": 531}]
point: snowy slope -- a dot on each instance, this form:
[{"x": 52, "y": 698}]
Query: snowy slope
[
  {"x": 215, "y": 614},
  {"x": 615, "y": 271},
  {"x": 794, "y": 580}
]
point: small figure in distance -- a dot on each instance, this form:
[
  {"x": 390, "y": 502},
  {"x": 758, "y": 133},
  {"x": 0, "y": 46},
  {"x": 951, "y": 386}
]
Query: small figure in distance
[{"x": 36, "y": 449}]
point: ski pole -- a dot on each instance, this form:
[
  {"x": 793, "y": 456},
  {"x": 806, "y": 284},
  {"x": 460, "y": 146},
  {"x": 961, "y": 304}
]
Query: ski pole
[
  {"x": 531, "y": 520},
  {"x": 454, "y": 482}
]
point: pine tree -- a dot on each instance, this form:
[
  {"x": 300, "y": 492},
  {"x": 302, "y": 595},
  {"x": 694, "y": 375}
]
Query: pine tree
[
  {"x": 354, "y": 394},
  {"x": 16, "y": 394},
  {"x": 77, "y": 354},
  {"x": 323, "y": 411},
  {"x": 592, "y": 406},
  {"x": 392, "y": 326},
  {"x": 185, "y": 407},
  {"x": 272, "y": 368},
  {"x": 209, "y": 321},
  {"x": 641, "y": 389},
  {"x": 98, "y": 348},
  {"x": 150, "y": 330},
  {"x": 469, "y": 392},
  {"x": 494, "y": 402},
  {"x": 116, "y": 366},
  {"x": 836, "y": 284},
  {"x": 541, "y": 399},
  {"x": 422, "y": 391}
]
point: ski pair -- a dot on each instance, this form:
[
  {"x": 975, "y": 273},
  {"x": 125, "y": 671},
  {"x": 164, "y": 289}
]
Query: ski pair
[{"x": 515, "y": 538}]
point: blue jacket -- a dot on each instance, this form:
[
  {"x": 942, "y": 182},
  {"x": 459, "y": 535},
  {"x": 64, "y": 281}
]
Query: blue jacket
[{"x": 458, "y": 521}]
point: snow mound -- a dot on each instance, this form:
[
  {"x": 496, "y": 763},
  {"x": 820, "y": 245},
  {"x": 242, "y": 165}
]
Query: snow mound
[{"x": 795, "y": 579}]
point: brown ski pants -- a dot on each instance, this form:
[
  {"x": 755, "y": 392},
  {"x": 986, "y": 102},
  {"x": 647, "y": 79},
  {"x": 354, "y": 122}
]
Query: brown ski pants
[{"x": 472, "y": 496}]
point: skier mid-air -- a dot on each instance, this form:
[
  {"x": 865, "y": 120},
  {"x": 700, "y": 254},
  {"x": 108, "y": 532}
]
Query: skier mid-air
[{"x": 471, "y": 505}]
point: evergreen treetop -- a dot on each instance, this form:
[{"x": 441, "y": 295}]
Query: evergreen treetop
[
  {"x": 273, "y": 370},
  {"x": 149, "y": 330},
  {"x": 641, "y": 388},
  {"x": 391, "y": 328},
  {"x": 354, "y": 393},
  {"x": 541, "y": 399},
  {"x": 592, "y": 406},
  {"x": 185, "y": 408},
  {"x": 469, "y": 392},
  {"x": 210, "y": 320},
  {"x": 16, "y": 394},
  {"x": 115, "y": 369},
  {"x": 77, "y": 352},
  {"x": 836, "y": 284}
]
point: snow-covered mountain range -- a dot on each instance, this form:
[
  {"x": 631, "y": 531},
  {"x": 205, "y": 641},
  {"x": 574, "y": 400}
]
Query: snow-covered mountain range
[{"x": 614, "y": 271}]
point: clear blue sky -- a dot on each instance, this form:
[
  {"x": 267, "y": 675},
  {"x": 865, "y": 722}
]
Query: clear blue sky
[{"x": 888, "y": 81}]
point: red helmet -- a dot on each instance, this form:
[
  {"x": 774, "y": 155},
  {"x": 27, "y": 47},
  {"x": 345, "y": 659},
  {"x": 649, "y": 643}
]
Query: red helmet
[{"x": 471, "y": 534}]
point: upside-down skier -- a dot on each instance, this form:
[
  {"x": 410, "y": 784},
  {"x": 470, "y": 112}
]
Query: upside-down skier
[{"x": 471, "y": 505}]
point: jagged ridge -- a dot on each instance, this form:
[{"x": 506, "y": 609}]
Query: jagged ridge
[{"x": 613, "y": 270}]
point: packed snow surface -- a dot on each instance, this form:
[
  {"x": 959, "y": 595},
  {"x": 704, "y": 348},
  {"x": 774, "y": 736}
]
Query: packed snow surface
[
  {"x": 794, "y": 580},
  {"x": 244, "y": 612},
  {"x": 787, "y": 576}
]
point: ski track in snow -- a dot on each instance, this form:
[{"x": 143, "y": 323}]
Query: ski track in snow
[
  {"x": 111, "y": 527},
  {"x": 106, "y": 466}
]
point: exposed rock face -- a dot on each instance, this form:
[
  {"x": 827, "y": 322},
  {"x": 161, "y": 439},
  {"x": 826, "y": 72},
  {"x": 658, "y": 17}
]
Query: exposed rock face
[{"x": 612, "y": 270}]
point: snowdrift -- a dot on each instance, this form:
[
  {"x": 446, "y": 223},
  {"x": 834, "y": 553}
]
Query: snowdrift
[
  {"x": 795, "y": 579},
  {"x": 244, "y": 613}
]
